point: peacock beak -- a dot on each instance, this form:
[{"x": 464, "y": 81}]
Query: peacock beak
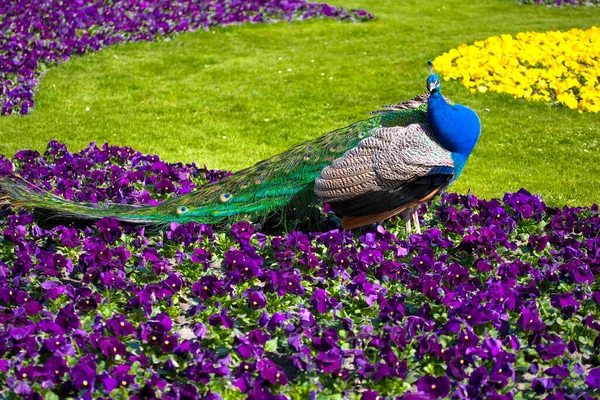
[{"x": 431, "y": 86}]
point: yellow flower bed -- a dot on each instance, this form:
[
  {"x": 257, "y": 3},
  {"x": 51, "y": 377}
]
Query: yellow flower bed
[{"x": 561, "y": 67}]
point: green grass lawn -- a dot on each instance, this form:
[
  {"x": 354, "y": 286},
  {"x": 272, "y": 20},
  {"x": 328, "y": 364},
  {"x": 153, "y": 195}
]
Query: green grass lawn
[{"x": 231, "y": 97}]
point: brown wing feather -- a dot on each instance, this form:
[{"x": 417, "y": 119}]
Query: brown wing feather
[{"x": 356, "y": 222}]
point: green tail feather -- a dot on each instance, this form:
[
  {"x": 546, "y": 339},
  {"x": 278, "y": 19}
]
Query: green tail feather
[
  {"x": 281, "y": 183},
  {"x": 16, "y": 192}
]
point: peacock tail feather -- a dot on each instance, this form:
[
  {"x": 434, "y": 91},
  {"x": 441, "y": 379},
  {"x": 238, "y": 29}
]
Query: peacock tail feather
[
  {"x": 282, "y": 183},
  {"x": 18, "y": 193}
]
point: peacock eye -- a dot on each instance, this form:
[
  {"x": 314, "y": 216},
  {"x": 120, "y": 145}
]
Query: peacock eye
[
  {"x": 224, "y": 197},
  {"x": 182, "y": 210}
]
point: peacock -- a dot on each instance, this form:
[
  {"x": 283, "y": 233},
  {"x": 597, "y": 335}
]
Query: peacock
[{"x": 405, "y": 154}]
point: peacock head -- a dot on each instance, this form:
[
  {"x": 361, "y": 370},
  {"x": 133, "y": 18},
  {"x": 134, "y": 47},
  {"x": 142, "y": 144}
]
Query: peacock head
[{"x": 433, "y": 82}]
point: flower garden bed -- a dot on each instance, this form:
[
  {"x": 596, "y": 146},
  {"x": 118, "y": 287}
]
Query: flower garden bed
[
  {"x": 34, "y": 34},
  {"x": 558, "y": 67},
  {"x": 496, "y": 299}
]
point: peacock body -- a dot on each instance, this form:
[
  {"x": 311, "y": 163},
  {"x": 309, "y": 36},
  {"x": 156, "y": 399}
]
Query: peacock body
[{"x": 368, "y": 171}]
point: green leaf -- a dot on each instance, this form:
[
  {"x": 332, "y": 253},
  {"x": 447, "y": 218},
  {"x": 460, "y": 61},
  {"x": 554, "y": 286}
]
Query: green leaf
[
  {"x": 135, "y": 366},
  {"x": 271, "y": 345},
  {"x": 49, "y": 395},
  {"x": 413, "y": 376},
  {"x": 336, "y": 396},
  {"x": 445, "y": 340}
]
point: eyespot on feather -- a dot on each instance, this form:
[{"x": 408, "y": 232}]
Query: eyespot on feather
[
  {"x": 362, "y": 135},
  {"x": 225, "y": 197},
  {"x": 181, "y": 210}
]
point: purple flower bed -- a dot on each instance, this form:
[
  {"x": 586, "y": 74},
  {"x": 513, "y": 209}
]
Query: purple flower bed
[
  {"x": 497, "y": 299},
  {"x": 34, "y": 34}
]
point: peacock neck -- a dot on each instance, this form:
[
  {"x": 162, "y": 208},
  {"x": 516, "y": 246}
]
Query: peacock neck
[{"x": 456, "y": 127}]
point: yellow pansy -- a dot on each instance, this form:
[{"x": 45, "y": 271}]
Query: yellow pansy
[{"x": 555, "y": 66}]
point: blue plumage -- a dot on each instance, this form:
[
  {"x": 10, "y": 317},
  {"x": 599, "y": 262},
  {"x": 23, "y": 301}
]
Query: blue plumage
[{"x": 457, "y": 128}]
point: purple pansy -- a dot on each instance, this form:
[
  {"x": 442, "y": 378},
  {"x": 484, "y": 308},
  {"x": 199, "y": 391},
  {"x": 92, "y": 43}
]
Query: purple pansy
[
  {"x": 566, "y": 303},
  {"x": 256, "y": 299},
  {"x": 83, "y": 376},
  {"x": 328, "y": 362},
  {"x": 434, "y": 387},
  {"x": 593, "y": 378},
  {"x": 551, "y": 350},
  {"x": 208, "y": 286},
  {"x": 319, "y": 300},
  {"x": 67, "y": 318},
  {"x": 271, "y": 372},
  {"x": 530, "y": 319}
]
